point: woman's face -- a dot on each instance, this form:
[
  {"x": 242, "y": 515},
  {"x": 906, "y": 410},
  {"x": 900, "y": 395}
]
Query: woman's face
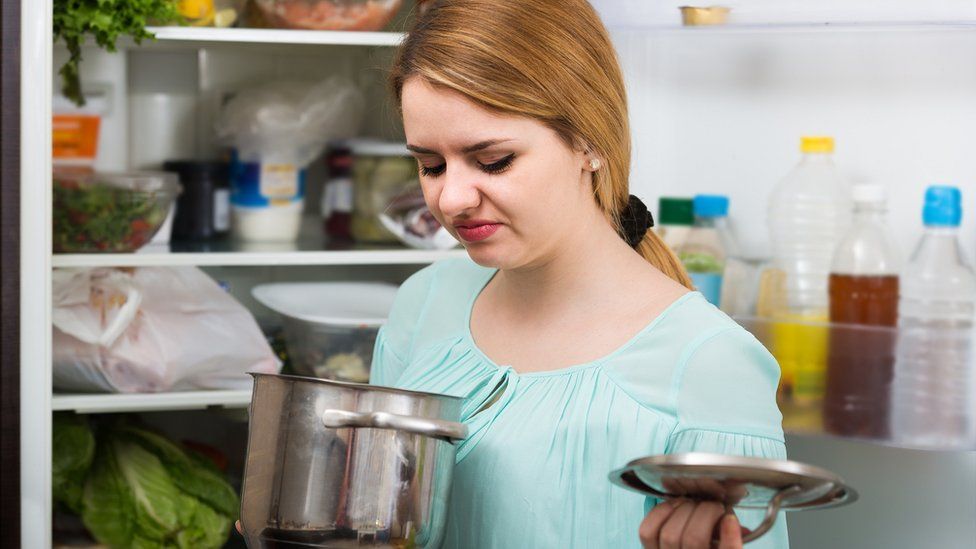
[{"x": 509, "y": 188}]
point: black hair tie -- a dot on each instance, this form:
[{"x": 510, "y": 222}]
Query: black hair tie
[{"x": 635, "y": 220}]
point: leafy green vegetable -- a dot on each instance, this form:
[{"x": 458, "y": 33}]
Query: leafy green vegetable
[
  {"x": 105, "y": 20},
  {"x": 203, "y": 483},
  {"x": 701, "y": 263},
  {"x": 92, "y": 216},
  {"x": 140, "y": 490},
  {"x": 73, "y": 448},
  {"x": 108, "y": 507}
]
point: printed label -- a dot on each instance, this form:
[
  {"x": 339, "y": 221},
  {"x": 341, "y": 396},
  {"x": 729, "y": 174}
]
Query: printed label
[
  {"x": 279, "y": 181},
  {"x": 221, "y": 210}
]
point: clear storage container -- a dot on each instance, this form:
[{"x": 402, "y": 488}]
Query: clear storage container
[
  {"x": 381, "y": 172},
  {"x": 109, "y": 212},
  {"x": 354, "y": 15},
  {"x": 330, "y": 327}
]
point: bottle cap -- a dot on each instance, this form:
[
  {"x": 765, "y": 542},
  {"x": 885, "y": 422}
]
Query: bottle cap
[
  {"x": 869, "y": 193},
  {"x": 711, "y": 205},
  {"x": 675, "y": 211},
  {"x": 816, "y": 144},
  {"x": 943, "y": 206}
]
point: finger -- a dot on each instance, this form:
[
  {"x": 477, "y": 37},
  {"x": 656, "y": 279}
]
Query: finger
[
  {"x": 698, "y": 532},
  {"x": 731, "y": 536},
  {"x": 650, "y": 527},
  {"x": 237, "y": 524},
  {"x": 672, "y": 530}
]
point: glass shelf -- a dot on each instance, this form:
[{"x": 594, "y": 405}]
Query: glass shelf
[
  {"x": 234, "y": 253},
  {"x": 197, "y": 36},
  {"x": 844, "y": 381}
]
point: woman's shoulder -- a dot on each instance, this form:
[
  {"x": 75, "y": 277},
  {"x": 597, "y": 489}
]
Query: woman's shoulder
[
  {"x": 435, "y": 299},
  {"x": 692, "y": 342},
  {"x": 452, "y": 278}
]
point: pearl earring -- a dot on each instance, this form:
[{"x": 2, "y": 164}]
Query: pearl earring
[{"x": 595, "y": 164}]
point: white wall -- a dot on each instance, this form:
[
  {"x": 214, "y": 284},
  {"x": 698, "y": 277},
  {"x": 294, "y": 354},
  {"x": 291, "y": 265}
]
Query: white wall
[{"x": 723, "y": 112}]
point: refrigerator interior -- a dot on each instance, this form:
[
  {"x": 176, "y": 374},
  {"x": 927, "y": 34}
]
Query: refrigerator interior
[{"x": 711, "y": 111}]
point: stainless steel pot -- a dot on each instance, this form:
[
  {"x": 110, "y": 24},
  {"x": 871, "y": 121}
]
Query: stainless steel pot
[{"x": 332, "y": 464}]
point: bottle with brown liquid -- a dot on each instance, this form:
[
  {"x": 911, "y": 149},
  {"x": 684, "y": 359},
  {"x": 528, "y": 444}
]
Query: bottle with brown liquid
[{"x": 863, "y": 290}]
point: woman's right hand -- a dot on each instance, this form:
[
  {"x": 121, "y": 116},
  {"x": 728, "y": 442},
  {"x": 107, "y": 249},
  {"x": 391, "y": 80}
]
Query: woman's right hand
[{"x": 690, "y": 524}]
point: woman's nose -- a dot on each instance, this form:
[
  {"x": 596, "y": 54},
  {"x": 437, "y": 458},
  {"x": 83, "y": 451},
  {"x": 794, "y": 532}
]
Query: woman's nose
[{"x": 460, "y": 192}]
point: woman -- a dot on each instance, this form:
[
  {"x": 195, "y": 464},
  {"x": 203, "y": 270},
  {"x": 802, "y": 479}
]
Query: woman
[{"x": 571, "y": 332}]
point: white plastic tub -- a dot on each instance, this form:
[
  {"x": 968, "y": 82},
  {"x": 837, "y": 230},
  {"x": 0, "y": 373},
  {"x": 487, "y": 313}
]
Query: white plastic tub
[{"x": 330, "y": 327}]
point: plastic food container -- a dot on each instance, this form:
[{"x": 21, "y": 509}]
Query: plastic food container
[
  {"x": 381, "y": 172},
  {"x": 330, "y": 327},
  {"x": 110, "y": 212},
  {"x": 354, "y": 15},
  {"x": 267, "y": 200}
]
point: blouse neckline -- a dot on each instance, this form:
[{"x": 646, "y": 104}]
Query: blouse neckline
[{"x": 469, "y": 336}]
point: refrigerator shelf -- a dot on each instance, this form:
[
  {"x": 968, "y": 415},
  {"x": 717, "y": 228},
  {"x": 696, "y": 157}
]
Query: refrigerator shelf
[
  {"x": 255, "y": 255},
  {"x": 196, "y": 36},
  {"x": 149, "y": 402}
]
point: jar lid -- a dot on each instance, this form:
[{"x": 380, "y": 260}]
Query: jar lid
[{"x": 376, "y": 147}]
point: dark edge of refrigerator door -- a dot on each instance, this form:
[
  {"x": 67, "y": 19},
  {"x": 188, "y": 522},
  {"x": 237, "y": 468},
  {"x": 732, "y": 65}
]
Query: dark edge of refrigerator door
[{"x": 10, "y": 275}]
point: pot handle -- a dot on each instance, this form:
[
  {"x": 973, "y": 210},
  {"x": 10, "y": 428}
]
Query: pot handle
[{"x": 449, "y": 430}]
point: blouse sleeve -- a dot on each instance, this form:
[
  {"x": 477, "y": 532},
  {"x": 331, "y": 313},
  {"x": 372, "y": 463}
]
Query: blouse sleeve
[
  {"x": 725, "y": 402},
  {"x": 394, "y": 342}
]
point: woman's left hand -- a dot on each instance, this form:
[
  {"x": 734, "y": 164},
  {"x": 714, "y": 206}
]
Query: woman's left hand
[{"x": 689, "y": 524}]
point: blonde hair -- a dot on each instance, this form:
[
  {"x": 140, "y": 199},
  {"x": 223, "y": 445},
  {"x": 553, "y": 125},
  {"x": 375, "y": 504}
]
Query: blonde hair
[{"x": 550, "y": 60}]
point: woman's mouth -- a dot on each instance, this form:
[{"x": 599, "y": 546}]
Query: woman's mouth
[{"x": 475, "y": 231}]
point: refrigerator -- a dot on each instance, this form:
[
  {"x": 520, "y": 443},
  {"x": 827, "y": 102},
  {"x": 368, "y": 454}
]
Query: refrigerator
[{"x": 713, "y": 109}]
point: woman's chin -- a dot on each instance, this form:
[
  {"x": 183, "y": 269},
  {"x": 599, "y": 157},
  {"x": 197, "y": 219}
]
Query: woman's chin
[{"x": 488, "y": 255}]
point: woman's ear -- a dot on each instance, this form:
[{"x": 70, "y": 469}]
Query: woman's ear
[{"x": 591, "y": 161}]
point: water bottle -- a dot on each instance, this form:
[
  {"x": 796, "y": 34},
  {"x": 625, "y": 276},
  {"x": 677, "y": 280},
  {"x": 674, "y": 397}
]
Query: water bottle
[
  {"x": 675, "y": 217},
  {"x": 707, "y": 245},
  {"x": 809, "y": 212},
  {"x": 863, "y": 292},
  {"x": 933, "y": 376}
]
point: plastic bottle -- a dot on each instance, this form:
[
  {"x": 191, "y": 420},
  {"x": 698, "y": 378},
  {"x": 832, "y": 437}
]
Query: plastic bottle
[
  {"x": 675, "y": 216},
  {"x": 707, "y": 245},
  {"x": 809, "y": 212},
  {"x": 932, "y": 389},
  {"x": 863, "y": 290}
]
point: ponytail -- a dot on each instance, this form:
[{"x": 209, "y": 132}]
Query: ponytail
[{"x": 657, "y": 253}]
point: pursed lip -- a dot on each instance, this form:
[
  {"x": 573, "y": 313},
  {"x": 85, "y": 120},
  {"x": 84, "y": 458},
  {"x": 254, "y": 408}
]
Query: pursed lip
[
  {"x": 473, "y": 223},
  {"x": 476, "y": 230}
]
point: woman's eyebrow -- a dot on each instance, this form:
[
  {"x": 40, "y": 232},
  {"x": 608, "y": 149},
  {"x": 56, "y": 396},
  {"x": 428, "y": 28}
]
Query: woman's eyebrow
[{"x": 466, "y": 150}]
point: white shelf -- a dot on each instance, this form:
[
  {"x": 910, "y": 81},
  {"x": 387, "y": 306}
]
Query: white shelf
[
  {"x": 260, "y": 255},
  {"x": 212, "y": 35},
  {"x": 799, "y": 27},
  {"x": 149, "y": 402}
]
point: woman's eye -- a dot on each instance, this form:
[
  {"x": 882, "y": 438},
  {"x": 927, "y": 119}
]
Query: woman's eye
[
  {"x": 432, "y": 171},
  {"x": 499, "y": 166}
]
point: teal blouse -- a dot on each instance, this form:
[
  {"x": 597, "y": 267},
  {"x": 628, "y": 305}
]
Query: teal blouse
[{"x": 533, "y": 471}]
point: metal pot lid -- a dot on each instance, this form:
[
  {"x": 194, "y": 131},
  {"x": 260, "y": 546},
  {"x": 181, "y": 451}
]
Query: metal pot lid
[{"x": 745, "y": 482}]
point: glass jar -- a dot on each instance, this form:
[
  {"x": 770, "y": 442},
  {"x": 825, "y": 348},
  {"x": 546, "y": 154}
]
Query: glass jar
[{"x": 381, "y": 171}]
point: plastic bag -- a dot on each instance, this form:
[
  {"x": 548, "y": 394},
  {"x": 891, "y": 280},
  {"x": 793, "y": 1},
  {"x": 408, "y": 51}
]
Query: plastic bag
[
  {"x": 408, "y": 217},
  {"x": 290, "y": 122},
  {"x": 152, "y": 329}
]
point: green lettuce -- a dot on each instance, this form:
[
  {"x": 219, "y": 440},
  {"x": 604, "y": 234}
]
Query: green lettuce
[
  {"x": 73, "y": 448},
  {"x": 143, "y": 491}
]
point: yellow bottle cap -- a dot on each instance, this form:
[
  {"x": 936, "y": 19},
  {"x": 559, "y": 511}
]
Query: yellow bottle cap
[{"x": 816, "y": 144}]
